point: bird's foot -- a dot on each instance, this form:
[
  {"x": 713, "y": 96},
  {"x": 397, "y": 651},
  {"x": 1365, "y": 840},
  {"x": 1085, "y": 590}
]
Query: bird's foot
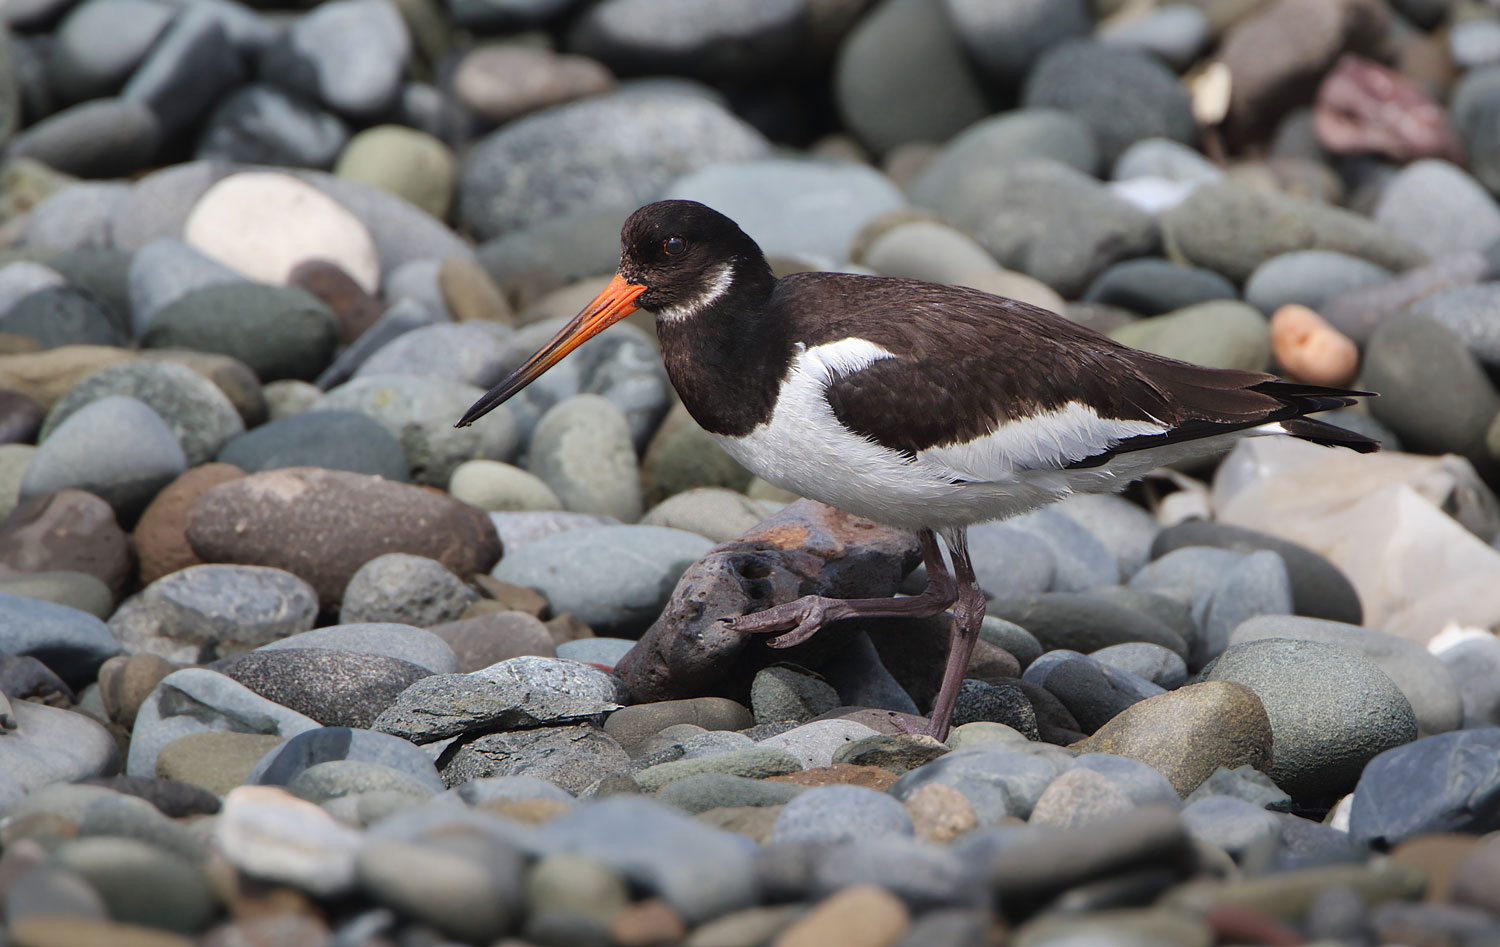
[
  {"x": 919, "y": 726},
  {"x": 800, "y": 620}
]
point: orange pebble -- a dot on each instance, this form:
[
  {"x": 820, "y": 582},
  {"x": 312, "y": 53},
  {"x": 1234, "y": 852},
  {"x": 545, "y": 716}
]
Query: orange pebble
[{"x": 1310, "y": 350}]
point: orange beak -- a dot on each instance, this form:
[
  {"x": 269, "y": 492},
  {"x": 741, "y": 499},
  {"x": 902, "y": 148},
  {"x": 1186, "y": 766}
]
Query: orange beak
[{"x": 615, "y": 302}]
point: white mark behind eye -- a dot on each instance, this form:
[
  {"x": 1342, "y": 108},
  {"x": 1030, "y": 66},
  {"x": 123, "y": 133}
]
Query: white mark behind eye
[{"x": 718, "y": 285}]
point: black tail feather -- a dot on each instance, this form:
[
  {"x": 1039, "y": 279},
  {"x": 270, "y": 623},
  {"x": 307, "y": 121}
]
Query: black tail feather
[{"x": 1329, "y": 435}]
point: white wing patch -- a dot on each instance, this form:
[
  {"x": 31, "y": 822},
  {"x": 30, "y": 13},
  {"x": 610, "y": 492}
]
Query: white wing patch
[
  {"x": 1044, "y": 441},
  {"x": 844, "y": 357},
  {"x": 718, "y": 285}
]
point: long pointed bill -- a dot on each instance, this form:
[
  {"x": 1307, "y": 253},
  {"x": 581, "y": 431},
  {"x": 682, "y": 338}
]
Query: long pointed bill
[{"x": 615, "y": 302}]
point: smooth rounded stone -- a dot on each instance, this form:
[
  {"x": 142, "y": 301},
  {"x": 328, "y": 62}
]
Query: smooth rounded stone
[
  {"x": 575, "y": 884},
  {"x": 1009, "y": 561},
  {"x": 284, "y": 763},
  {"x": 1319, "y": 588},
  {"x": 420, "y": 411},
  {"x": 1242, "y": 782},
  {"x": 195, "y": 410},
  {"x": 141, "y": 452},
  {"x": 1122, "y": 95},
  {"x": 582, "y": 449},
  {"x": 1474, "y": 880},
  {"x": 517, "y": 529},
  {"x": 1083, "y": 622},
  {"x": 165, "y": 270},
  {"x": 70, "y": 641},
  {"x": 1079, "y": 797},
  {"x": 64, "y": 316},
  {"x": 922, "y": 874},
  {"x": 50, "y": 894},
  {"x": 215, "y": 761},
  {"x": 699, "y": 871},
  {"x": 1256, "y": 585},
  {"x": 44, "y": 745},
  {"x": 485, "y": 639},
  {"x": 634, "y": 724},
  {"x": 20, "y": 419},
  {"x": 1093, "y": 692},
  {"x": 1140, "y": 783},
  {"x": 1359, "y": 313},
  {"x": 1468, "y": 312},
  {"x": 1050, "y": 221},
  {"x": 289, "y": 396},
  {"x": 511, "y": 789},
  {"x": 99, "y": 43},
  {"x": 335, "y": 688},
  {"x": 269, "y": 834},
  {"x": 476, "y": 353},
  {"x": 261, "y": 124},
  {"x": 69, "y": 530},
  {"x": 21, "y": 278},
  {"x": 998, "y": 781},
  {"x": 615, "y": 579},
  {"x": 402, "y": 232},
  {"x": 1435, "y": 395},
  {"x": 1423, "y": 677},
  {"x": 1224, "y": 333},
  {"x": 125, "y": 682},
  {"x": 781, "y": 693},
  {"x": 135, "y": 818},
  {"x": 705, "y": 791},
  {"x": 1189, "y": 733},
  {"x": 603, "y": 651},
  {"x": 78, "y": 590},
  {"x": 1471, "y": 666},
  {"x": 572, "y": 757},
  {"x": 900, "y": 753},
  {"x": 404, "y": 589},
  {"x": 102, "y": 138},
  {"x": 1395, "y": 922},
  {"x": 984, "y": 701},
  {"x": 1167, "y": 160},
  {"x": 193, "y": 66},
  {"x": 1232, "y": 228},
  {"x": 927, "y": 250},
  {"x": 1081, "y": 560},
  {"x": 141, "y": 883},
  {"x": 503, "y": 81},
  {"x": 337, "y": 779},
  {"x": 1147, "y": 661},
  {"x": 246, "y": 220},
  {"x": 901, "y": 76},
  {"x": 230, "y": 375},
  {"x": 1175, "y": 34},
  {"x": 197, "y": 700},
  {"x": 1005, "y": 40},
  {"x": 1444, "y": 783},
  {"x": 1021, "y": 643},
  {"x": 402, "y": 642},
  {"x": 349, "y": 55},
  {"x": 279, "y": 332},
  {"x": 831, "y": 814},
  {"x": 159, "y": 541},
  {"x": 1331, "y": 710},
  {"x": 712, "y": 42},
  {"x": 206, "y": 612},
  {"x": 1472, "y": 108},
  {"x": 527, "y": 691},
  {"x": 626, "y": 146},
  {"x": 755, "y": 762},
  {"x": 1310, "y": 278},
  {"x": 959, "y": 181},
  {"x": 865, "y": 914},
  {"x": 816, "y": 743},
  {"x": 719, "y": 514},
  {"x": 793, "y": 208},
  {"x": 337, "y": 440},
  {"x": 1151, "y": 286},
  {"x": 1124, "y": 528},
  {"x": 1439, "y": 208},
  {"x": 462, "y": 886}
]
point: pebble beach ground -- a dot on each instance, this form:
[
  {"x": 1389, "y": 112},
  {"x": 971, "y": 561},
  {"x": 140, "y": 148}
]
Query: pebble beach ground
[{"x": 287, "y": 659}]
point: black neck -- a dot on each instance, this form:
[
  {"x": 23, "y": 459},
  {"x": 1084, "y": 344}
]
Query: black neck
[{"x": 728, "y": 360}]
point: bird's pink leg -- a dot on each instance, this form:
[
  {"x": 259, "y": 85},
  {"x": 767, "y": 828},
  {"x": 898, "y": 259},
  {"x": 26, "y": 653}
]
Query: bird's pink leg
[
  {"x": 802, "y": 619},
  {"x": 968, "y": 614}
]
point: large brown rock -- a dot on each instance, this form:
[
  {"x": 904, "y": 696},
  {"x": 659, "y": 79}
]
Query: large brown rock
[
  {"x": 806, "y": 549},
  {"x": 160, "y": 542},
  {"x": 1190, "y": 732},
  {"x": 70, "y": 530},
  {"x": 322, "y": 525}
]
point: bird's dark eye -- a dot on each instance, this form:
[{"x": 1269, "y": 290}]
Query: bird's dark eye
[{"x": 673, "y": 245}]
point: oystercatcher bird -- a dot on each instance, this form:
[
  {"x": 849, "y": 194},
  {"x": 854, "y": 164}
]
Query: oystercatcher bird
[{"x": 919, "y": 405}]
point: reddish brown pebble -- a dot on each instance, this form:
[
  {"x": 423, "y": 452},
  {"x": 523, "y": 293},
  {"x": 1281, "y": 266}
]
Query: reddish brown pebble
[
  {"x": 650, "y": 923},
  {"x": 1438, "y": 856},
  {"x": 940, "y": 813},
  {"x": 159, "y": 539},
  {"x": 841, "y": 774},
  {"x": 66, "y": 531},
  {"x": 481, "y": 640},
  {"x": 355, "y": 309},
  {"x": 1310, "y": 350},
  {"x": 1242, "y": 924},
  {"x": 322, "y": 525},
  {"x": 1365, "y": 108},
  {"x": 861, "y": 916}
]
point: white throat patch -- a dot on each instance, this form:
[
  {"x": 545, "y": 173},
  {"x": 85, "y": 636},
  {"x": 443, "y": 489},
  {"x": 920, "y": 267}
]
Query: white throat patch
[{"x": 718, "y": 285}]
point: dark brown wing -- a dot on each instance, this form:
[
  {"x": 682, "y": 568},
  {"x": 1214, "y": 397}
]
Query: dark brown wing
[{"x": 968, "y": 362}]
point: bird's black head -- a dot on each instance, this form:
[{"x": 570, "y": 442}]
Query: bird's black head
[
  {"x": 677, "y": 259},
  {"x": 688, "y": 256}
]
